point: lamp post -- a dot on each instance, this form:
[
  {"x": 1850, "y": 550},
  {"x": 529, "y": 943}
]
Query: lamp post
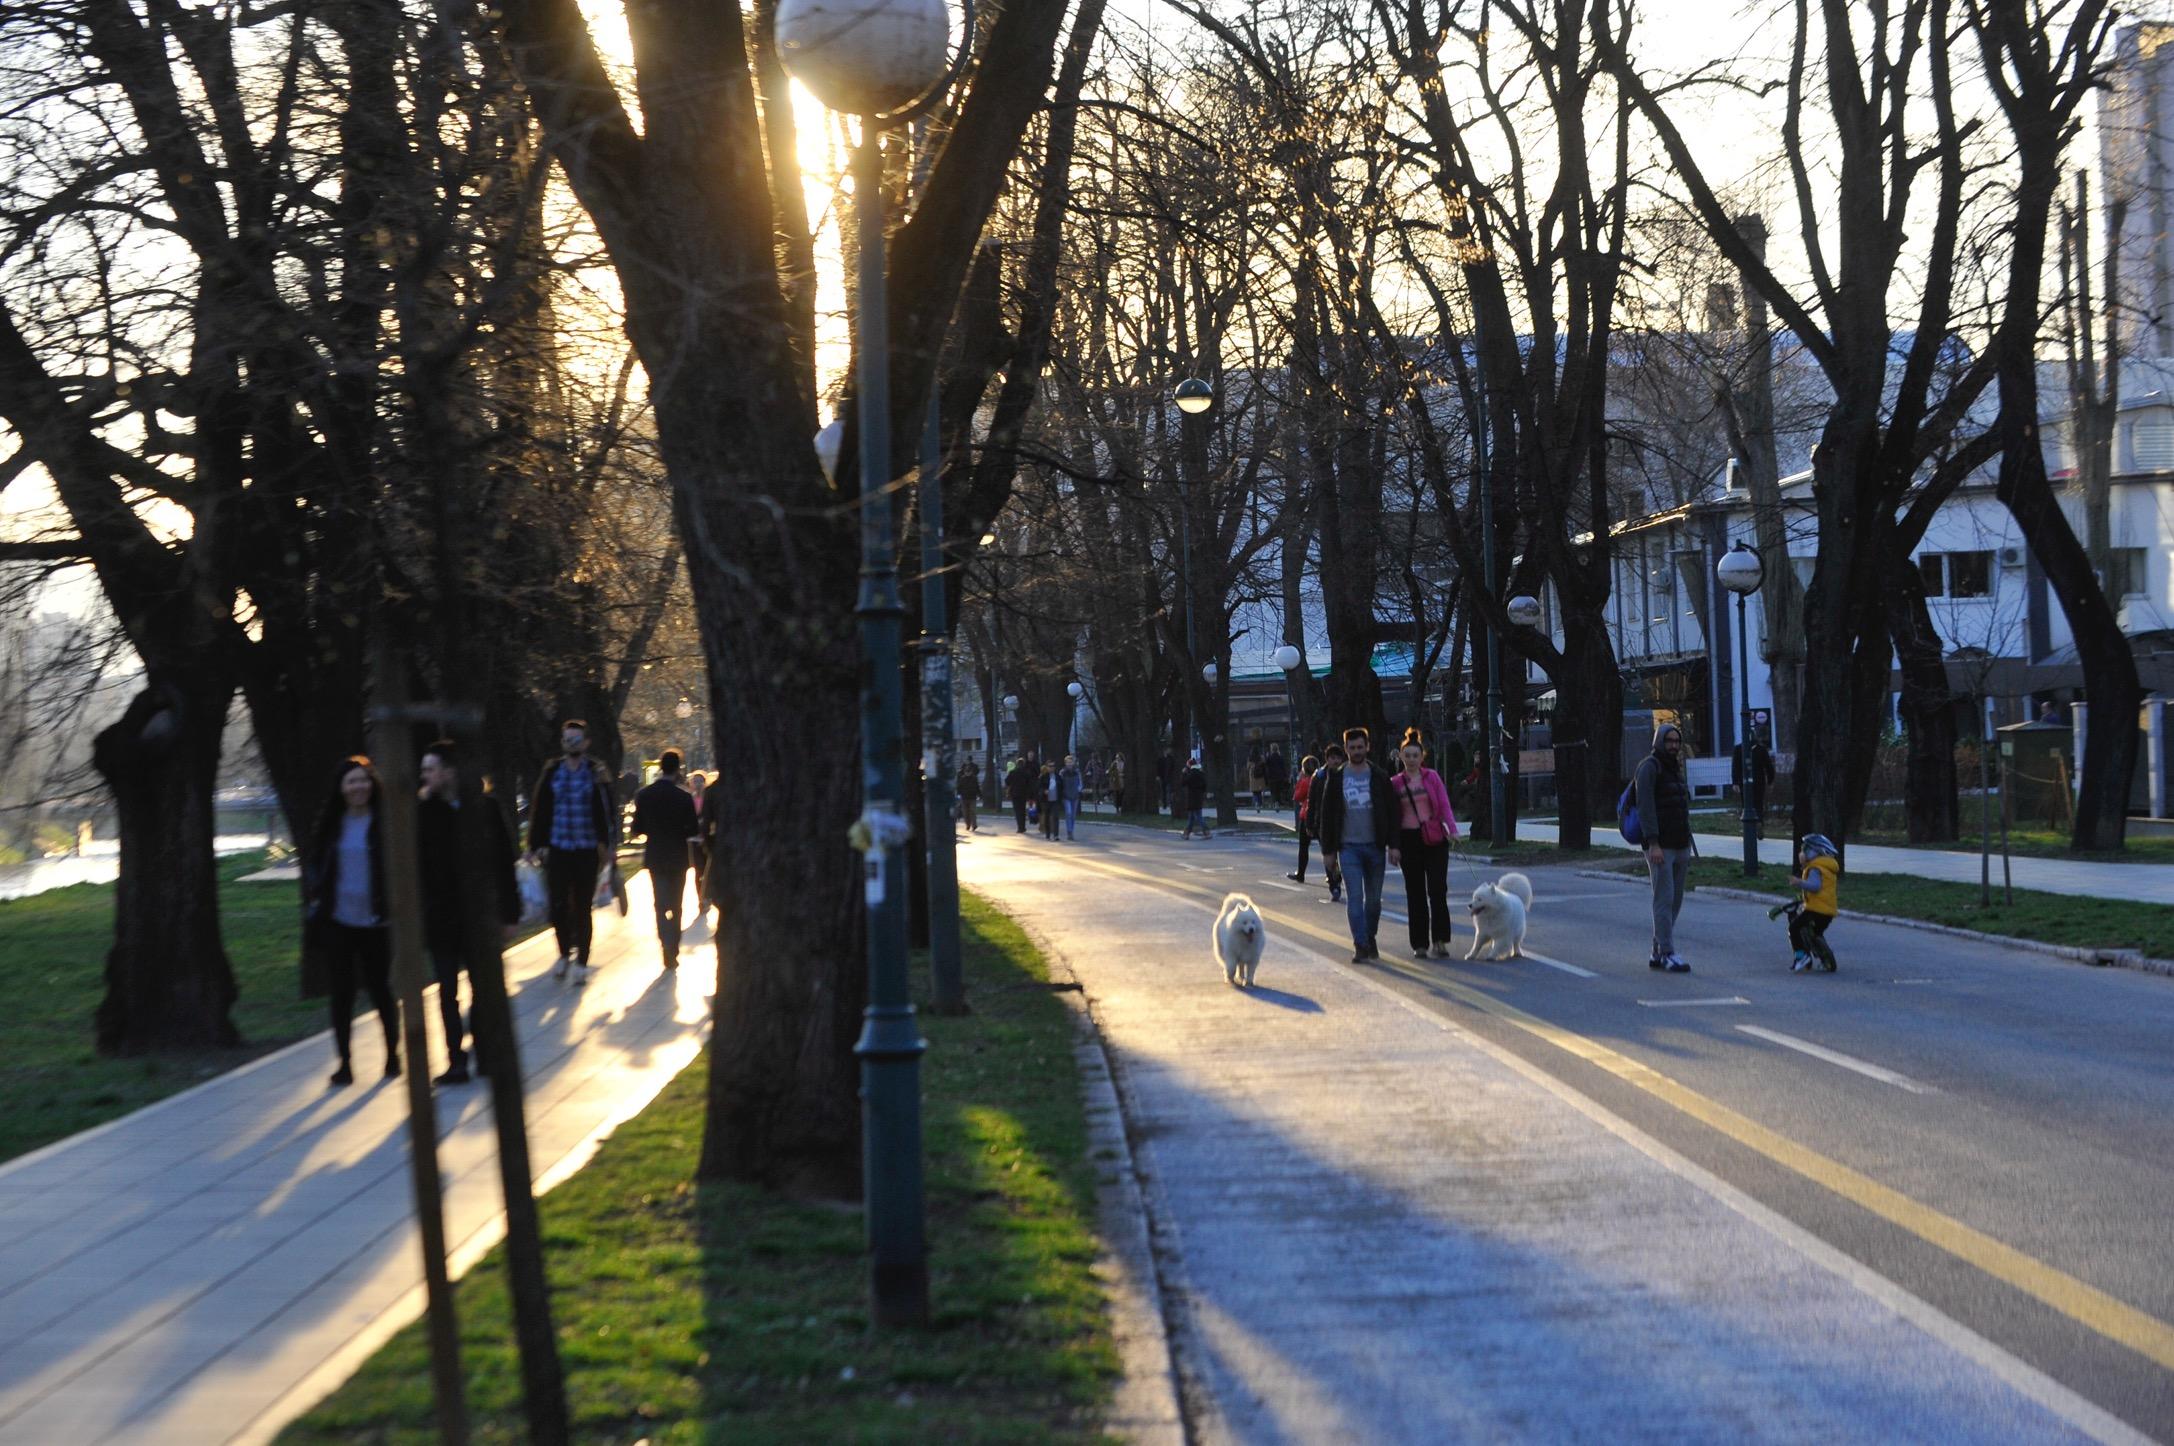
[
  {"x": 1075, "y": 692},
  {"x": 1741, "y": 571},
  {"x": 1194, "y": 397},
  {"x": 1287, "y": 660},
  {"x": 882, "y": 60}
]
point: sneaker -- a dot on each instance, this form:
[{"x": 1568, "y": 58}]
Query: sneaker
[
  {"x": 1296, "y": 878},
  {"x": 1440, "y": 949},
  {"x": 1336, "y": 896},
  {"x": 558, "y": 970},
  {"x": 1426, "y": 953},
  {"x": 343, "y": 1076},
  {"x": 392, "y": 1067},
  {"x": 1677, "y": 964},
  {"x": 1656, "y": 962},
  {"x": 1800, "y": 962},
  {"x": 1827, "y": 966},
  {"x": 457, "y": 1075},
  {"x": 581, "y": 974},
  {"x": 1358, "y": 956}
]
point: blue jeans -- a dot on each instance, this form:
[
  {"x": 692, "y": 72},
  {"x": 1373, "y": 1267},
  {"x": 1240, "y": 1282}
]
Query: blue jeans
[
  {"x": 1071, "y": 816},
  {"x": 1363, "y": 866},
  {"x": 1196, "y": 818}
]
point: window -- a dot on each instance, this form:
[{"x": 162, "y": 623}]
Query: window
[
  {"x": 2151, "y": 444},
  {"x": 2125, "y": 576},
  {"x": 1956, "y": 574}
]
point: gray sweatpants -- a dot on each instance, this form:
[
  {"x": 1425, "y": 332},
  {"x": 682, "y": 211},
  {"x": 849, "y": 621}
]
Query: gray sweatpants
[{"x": 1667, "y": 879}]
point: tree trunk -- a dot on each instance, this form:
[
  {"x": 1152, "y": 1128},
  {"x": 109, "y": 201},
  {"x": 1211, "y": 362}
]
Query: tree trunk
[
  {"x": 1588, "y": 725},
  {"x": 1929, "y": 790},
  {"x": 168, "y": 983}
]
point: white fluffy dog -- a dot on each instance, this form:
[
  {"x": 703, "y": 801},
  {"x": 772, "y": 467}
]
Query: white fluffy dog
[
  {"x": 1498, "y": 917},
  {"x": 1239, "y": 937}
]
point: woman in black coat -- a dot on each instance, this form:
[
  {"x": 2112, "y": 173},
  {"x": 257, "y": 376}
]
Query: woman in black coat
[{"x": 344, "y": 882}]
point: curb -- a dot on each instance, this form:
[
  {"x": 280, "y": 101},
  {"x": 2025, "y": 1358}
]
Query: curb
[
  {"x": 1145, "y": 1408},
  {"x": 2076, "y": 954}
]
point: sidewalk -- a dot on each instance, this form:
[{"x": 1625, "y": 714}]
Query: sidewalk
[
  {"x": 1372, "y": 1225},
  {"x": 2141, "y": 883},
  {"x": 209, "y": 1267}
]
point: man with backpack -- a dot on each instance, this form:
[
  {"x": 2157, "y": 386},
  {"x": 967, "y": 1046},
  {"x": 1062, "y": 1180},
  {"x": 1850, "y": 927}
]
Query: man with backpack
[{"x": 1661, "y": 824}]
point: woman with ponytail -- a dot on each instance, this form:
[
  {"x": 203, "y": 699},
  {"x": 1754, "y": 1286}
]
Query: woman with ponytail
[{"x": 1425, "y": 825}]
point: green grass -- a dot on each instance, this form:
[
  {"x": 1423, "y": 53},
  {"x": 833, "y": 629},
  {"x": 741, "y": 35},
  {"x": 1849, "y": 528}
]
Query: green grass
[
  {"x": 715, "y": 1311},
  {"x": 1176, "y": 824},
  {"x": 2049, "y": 918},
  {"x": 52, "y": 973},
  {"x": 2030, "y": 843}
]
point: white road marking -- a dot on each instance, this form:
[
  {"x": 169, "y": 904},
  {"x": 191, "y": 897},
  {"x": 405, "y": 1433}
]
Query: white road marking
[
  {"x": 1279, "y": 884},
  {"x": 1835, "y": 1056},
  {"x": 1559, "y": 964},
  {"x": 1690, "y": 1003}
]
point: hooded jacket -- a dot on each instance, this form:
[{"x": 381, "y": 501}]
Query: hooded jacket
[{"x": 1664, "y": 797}]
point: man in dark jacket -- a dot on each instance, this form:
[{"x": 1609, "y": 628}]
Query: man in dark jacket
[
  {"x": 1019, "y": 787},
  {"x": 968, "y": 788},
  {"x": 439, "y": 848},
  {"x": 572, "y": 827},
  {"x": 1193, "y": 785},
  {"x": 1276, "y": 772},
  {"x": 664, "y": 816},
  {"x": 1664, "y": 813},
  {"x": 1355, "y": 813}
]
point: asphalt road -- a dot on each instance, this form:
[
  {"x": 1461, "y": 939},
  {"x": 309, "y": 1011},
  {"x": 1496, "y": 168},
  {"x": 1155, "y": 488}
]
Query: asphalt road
[{"x": 1988, "y": 1132}]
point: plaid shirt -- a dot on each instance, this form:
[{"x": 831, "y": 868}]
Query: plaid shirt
[{"x": 573, "y": 795}]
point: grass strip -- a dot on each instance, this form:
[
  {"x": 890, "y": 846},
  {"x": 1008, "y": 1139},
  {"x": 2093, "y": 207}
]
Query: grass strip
[
  {"x": 2072, "y": 919},
  {"x": 707, "y": 1311},
  {"x": 53, "y": 1082}
]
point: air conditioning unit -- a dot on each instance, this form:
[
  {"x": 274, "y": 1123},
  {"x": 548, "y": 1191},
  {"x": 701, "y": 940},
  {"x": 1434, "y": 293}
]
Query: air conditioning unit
[{"x": 2012, "y": 557}]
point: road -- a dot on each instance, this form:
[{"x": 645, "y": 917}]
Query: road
[{"x": 1926, "y": 1197}]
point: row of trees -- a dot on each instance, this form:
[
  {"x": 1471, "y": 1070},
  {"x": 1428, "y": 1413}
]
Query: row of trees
[
  {"x": 290, "y": 316},
  {"x": 1437, "y": 256}
]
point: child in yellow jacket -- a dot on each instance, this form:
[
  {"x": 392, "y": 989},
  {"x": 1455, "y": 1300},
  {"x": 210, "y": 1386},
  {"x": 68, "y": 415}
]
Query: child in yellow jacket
[{"x": 1820, "y": 883}]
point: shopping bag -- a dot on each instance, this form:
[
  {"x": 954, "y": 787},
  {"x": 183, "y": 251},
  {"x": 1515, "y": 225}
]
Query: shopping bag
[
  {"x": 607, "y": 885},
  {"x": 535, "y": 897}
]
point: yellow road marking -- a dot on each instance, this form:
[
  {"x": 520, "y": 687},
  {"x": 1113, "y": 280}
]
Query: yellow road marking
[{"x": 2087, "y": 1305}]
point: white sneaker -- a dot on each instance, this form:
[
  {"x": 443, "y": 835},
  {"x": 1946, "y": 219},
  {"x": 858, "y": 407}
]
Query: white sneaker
[
  {"x": 558, "y": 970},
  {"x": 581, "y": 973}
]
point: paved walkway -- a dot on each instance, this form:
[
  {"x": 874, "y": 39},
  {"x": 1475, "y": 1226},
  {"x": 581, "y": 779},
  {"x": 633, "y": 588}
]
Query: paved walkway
[
  {"x": 2143, "y": 883},
  {"x": 1372, "y": 1224},
  {"x": 209, "y": 1267}
]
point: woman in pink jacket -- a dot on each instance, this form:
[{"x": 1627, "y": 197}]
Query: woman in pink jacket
[{"x": 1425, "y": 826}]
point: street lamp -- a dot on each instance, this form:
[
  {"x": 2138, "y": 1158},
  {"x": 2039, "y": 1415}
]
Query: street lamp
[
  {"x": 1075, "y": 692},
  {"x": 883, "y": 60},
  {"x": 1193, "y": 397},
  {"x": 1287, "y": 660},
  {"x": 1524, "y": 610},
  {"x": 1741, "y": 571}
]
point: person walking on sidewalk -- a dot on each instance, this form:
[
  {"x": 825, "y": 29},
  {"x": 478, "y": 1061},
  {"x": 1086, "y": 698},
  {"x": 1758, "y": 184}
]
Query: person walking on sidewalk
[
  {"x": 1069, "y": 788},
  {"x": 1299, "y": 791},
  {"x": 1277, "y": 770},
  {"x": 968, "y": 787},
  {"x": 1358, "y": 813},
  {"x": 1317, "y": 787},
  {"x": 665, "y": 819},
  {"x": 344, "y": 880},
  {"x": 710, "y": 836},
  {"x": 1046, "y": 799},
  {"x": 1018, "y": 788},
  {"x": 1425, "y": 825},
  {"x": 572, "y": 825},
  {"x": 439, "y": 848},
  {"x": 1664, "y": 812},
  {"x": 1117, "y": 783},
  {"x": 1193, "y": 786}
]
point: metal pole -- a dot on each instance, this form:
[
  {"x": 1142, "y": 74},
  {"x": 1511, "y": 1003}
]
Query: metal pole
[
  {"x": 1746, "y": 752},
  {"x": 1186, "y": 423},
  {"x": 948, "y": 983},
  {"x": 890, "y": 1045},
  {"x": 1498, "y": 766}
]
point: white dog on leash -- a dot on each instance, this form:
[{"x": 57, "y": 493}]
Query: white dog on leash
[
  {"x": 1498, "y": 916},
  {"x": 1239, "y": 937}
]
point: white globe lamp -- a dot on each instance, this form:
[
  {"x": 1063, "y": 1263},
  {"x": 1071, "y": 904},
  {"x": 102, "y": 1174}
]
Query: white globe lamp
[
  {"x": 1740, "y": 570},
  {"x": 1524, "y": 610},
  {"x": 865, "y": 57},
  {"x": 1288, "y": 657}
]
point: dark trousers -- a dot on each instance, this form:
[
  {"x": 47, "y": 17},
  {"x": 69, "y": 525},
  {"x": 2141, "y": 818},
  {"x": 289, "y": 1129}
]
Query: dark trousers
[
  {"x": 446, "y": 963},
  {"x": 670, "y": 884},
  {"x": 1019, "y": 813},
  {"x": 361, "y": 957},
  {"x": 570, "y": 878},
  {"x": 1305, "y": 851},
  {"x": 1808, "y": 932},
  {"x": 967, "y": 808},
  {"x": 1426, "y": 888}
]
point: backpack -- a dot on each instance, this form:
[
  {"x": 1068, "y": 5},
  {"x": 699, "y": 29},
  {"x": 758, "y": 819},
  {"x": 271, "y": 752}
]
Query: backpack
[{"x": 1626, "y": 815}]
